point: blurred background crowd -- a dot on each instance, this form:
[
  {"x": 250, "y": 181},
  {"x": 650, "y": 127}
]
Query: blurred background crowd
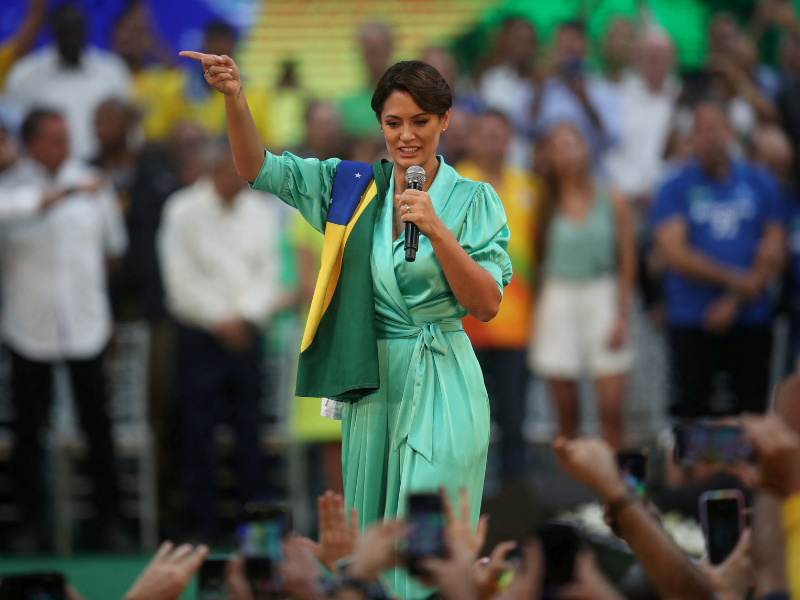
[{"x": 151, "y": 304}]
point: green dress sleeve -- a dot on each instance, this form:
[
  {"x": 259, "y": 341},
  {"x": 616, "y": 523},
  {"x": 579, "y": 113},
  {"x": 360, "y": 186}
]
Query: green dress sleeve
[
  {"x": 485, "y": 234},
  {"x": 302, "y": 183}
]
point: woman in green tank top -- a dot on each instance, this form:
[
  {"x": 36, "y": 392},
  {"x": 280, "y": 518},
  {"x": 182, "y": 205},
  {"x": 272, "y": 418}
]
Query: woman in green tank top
[{"x": 586, "y": 252}]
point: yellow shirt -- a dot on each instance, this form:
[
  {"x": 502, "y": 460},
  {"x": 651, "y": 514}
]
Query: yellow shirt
[
  {"x": 8, "y": 54},
  {"x": 158, "y": 94},
  {"x": 210, "y": 112},
  {"x": 791, "y": 526},
  {"x": 511, "y": 328}
]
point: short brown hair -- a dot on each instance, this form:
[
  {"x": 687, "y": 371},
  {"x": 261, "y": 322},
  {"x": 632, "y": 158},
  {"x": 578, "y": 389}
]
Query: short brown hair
[
  {"x": 420, "y": 80},
  {"x": 32, "y": 124}
]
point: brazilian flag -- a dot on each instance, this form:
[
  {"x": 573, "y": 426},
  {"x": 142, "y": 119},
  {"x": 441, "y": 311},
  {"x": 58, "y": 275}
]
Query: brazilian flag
[{"x": 339, "y": 352}]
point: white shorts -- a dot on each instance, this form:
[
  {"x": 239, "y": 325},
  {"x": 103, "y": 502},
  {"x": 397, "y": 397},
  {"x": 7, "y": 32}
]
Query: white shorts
[{"x": 573, "y": 324}]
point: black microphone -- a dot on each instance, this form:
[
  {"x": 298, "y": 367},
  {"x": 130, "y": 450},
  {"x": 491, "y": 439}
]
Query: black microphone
[{"x": 415, "y": 178}]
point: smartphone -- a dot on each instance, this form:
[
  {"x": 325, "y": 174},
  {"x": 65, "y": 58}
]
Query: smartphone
[
  {"x": 633, "y": 468},
  {"x": 211, "y": 579},
  {"x": 560, "y": 544},
  {"x": 33, "y": 586},
  {"x": 722, "y": 519},
  {"x": 261, "y": 530},
  {"x": 719, "y": 444},
  {"x": 426, "y": 523}
]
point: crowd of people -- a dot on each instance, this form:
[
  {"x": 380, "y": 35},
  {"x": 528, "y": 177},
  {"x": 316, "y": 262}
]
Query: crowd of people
[{"x": 627, "y": 185}]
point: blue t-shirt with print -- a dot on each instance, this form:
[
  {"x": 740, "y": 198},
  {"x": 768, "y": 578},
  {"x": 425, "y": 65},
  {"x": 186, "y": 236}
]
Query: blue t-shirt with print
[{"x": 725, "y": 220}]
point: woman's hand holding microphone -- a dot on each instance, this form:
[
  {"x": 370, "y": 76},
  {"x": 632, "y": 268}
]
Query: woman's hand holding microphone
[
  {"x": 220, "y": 71},
  {"x": 416, "y": 207}
]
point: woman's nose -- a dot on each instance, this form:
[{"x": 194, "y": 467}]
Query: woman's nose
[{"x": 407, "y": 135}]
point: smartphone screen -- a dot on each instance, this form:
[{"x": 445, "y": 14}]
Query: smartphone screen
[
  {"x": 633, "y": 468},
  {"x": 33, "y": 586},
  {"x": 560, "y": 543},
  {"x": 261, "y": 531},
  {"x": 426, "y": 524},
  {"x": 722, "y": 523},
  {"x": 719, "y": 444},
  {"x": 211, "y": 579}
]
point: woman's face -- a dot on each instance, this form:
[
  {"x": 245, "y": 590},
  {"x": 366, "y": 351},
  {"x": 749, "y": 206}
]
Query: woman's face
[
  {"x": 567, "y": 151},
  {"x": 412, "y": 135}
]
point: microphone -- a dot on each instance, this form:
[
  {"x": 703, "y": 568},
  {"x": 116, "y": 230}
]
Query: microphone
[{"x": 415, "y": 177}]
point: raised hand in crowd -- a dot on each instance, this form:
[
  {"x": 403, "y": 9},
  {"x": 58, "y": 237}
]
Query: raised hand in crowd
[
  {"x": 458, "y": 530},
  {"x": 488, "y": 570},
  {"x": 168, "y": 573},
  {"x": 337, "y": 539},
  {"x": 453, "y": 575},
  {"x": 590, "y": 583},
  {"x": 300, "y": 571},
  {"x": 778, "y": 451},
  {"x": 592, "y": 462},
  {"x": 236, "y": 580},
  {"x": 733, "y": 578},
  {"x": 377, "y": 551},
  {"x": 529, "y": 576}
]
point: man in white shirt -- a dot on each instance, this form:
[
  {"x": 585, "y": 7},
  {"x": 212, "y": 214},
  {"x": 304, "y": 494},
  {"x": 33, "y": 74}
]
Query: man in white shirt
[
  {"x": 218, "y": 247},
  {"x": 58, "y": 225},
  {"x": 647, "y": 102},
  {"x": 71, "y": 78}
]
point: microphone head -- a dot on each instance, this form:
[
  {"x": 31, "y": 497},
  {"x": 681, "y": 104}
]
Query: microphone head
[{"x": 415, "y": 174}]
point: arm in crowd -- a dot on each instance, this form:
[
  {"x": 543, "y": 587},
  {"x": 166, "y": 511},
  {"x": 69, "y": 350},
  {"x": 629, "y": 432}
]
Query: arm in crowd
[
  {"x": 770, "y": 255},
  {"x": 24, "y": 202},
  {"x": 778, "y": 470},
  {"x": 626, "y": 251},
  {"x": 671, "y": 239},
  {"x": 592, "y": 462},
  {"x": 302, "y": 184},
  {"x": 24, "y": 37}
]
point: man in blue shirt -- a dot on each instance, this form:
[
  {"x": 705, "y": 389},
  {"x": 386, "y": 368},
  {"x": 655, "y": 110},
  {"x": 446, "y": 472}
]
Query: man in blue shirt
[{"x": 718, "y": 223}]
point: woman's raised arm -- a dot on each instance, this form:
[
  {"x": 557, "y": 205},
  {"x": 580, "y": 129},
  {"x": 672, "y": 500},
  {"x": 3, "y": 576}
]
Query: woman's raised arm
[{"x": 223, "y": 75}]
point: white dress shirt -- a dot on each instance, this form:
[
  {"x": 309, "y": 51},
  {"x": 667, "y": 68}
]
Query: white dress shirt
[
  {"x": 637, "y": 163},
  {"x": 52, "y": 262},
  {"x": 40, "y": 81},
  {"x": 220, "y": 261},
  {"x": 503, "y": 89}
]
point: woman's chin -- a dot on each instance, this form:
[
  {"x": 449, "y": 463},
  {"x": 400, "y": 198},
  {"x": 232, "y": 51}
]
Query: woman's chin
[{"x": 407, "y": 160}]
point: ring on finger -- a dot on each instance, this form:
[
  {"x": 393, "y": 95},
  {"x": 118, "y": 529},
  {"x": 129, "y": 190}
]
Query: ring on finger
[
  {"x": 208, "y": 74},
  {"x": 408, "y": 208}
]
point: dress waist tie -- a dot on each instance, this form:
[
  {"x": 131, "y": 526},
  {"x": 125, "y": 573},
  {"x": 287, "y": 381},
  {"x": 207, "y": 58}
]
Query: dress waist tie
[{"x": 415, "y": 419}]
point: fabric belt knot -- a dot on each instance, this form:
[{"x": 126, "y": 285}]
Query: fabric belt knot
[{"x": 415, "y": 419}]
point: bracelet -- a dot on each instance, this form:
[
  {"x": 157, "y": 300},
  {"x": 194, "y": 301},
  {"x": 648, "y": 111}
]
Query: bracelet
[{"x": 617, "y": 506}]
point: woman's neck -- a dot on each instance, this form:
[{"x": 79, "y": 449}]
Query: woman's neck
[
  {"x": 431, "y": 167},
  {"x": 574, "y": 185},
  {"x": 490, "y": 166}
]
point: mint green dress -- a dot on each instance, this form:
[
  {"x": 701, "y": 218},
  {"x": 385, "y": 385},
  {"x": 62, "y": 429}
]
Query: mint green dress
[{"x": 428, "y": 425}]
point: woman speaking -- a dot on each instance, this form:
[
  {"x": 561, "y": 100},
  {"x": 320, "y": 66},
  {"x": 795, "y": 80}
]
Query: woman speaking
[{"x": 425, "y": 423}]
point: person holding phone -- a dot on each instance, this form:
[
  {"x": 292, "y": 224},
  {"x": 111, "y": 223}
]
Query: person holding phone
[
  {"x": 427, "y": 424},
  {"x": 570, "y": 95}
]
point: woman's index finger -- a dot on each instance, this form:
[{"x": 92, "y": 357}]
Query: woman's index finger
[{"x": 198, "y": 56}]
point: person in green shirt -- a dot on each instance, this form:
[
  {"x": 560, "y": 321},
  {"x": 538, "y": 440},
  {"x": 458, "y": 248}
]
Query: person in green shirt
[
  {"x": 377, "y": 46},
  {"x": 427, "y": 426}
]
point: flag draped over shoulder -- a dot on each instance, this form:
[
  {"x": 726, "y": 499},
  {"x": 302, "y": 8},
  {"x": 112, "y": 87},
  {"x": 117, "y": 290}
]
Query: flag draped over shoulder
[{"x": 339, "y": 352}]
